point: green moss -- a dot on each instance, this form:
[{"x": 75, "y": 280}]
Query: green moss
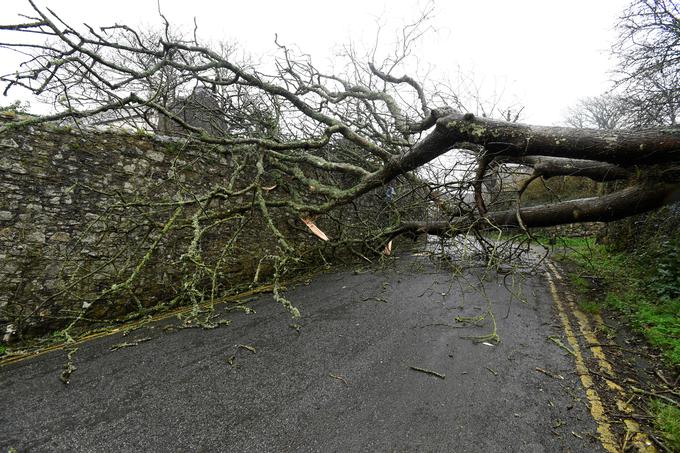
[
  {"x": 584, "y": 289},
  {"x": 141, "y": 132},
  {"x": 174, "y": 147},
  {"x": 15, "y": 109},
  {"x": 469, "y": 128}
]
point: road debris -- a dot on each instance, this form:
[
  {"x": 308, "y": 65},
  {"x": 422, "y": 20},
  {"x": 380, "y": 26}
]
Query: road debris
[
  {"x": 68, "y": 367},
  {"x": 339, "y": 378},
  {"x": 129, "y": 344},
  {"x": 248, "y": 348},
  {"x": 559, "y": 343},
  {"x": 469, "y": 319},
  {"x": 387, "y": 251},
  {"x": 549, "y": 373},
  {"x": 377, "y": 299},
  {"x": 314, "y": 229},
  {"x": 430, "y": 372}
]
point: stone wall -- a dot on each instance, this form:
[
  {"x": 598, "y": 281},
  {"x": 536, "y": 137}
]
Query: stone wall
[
  {"x": 96, "y": 226},
  {"x": 81, "y": 209},
  {"x": 574, "y": 229}
]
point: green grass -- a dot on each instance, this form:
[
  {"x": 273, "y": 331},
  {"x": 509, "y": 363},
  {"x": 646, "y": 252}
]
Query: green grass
[
  {"x": 3, "y": 349},
  {"x": 589, "y": 306},
  {"x": 667, "y": 421},
  {"x": 587, "y": 302},
  {"x": 580, "y": 283},
  {"x": 644, "y": 286}
]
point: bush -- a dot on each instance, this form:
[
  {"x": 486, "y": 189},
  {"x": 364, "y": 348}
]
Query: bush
[{"x": 665, "y": 276}]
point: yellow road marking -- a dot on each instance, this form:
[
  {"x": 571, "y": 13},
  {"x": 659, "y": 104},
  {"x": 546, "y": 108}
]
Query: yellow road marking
[
  {"x": 638, "y": 438},
  {"x": 596, "y": 408}
]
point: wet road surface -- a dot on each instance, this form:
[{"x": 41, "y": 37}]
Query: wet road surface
[{"x": 341, "y": 378}]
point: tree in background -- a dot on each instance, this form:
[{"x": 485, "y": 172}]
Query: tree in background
[
  {"x": 600, "y": 112},
  {"x": 648, "y": 53},
  {"x": 646, "y": 93},
  {"x": 646, "y": 89}
]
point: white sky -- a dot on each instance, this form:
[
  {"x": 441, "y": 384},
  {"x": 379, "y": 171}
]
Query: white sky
[{"x": 546, "y": 54}]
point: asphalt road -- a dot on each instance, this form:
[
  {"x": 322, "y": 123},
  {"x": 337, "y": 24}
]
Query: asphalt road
[{"x": 341, "y": 382}]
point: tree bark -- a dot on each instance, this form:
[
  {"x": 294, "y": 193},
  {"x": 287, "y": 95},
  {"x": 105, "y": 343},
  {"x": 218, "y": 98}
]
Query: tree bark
[
  {"x": 624, "y": 203},
  {"x": 621, "y": 147},
  {"x": 547, "y": 167}
]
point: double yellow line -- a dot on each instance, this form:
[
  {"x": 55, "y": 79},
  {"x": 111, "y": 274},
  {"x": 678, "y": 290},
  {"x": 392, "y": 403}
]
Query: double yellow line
[{"x": 634, "y": 436}]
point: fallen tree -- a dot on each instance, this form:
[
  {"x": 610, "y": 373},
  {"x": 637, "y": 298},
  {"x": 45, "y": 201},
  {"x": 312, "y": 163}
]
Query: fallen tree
[
  {"x": 312, "y": 146},
  {"x": 108, "y": 69}
]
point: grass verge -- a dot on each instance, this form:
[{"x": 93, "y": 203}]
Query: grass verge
[
  {"x": 667, "y": 421},
  {"x": 645, "y": 287}
]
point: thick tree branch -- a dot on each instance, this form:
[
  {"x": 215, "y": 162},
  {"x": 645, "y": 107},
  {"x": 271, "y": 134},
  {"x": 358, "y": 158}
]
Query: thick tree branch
[
  {"x": 630, "y": 201},
  {"x": 622, "y": 147},
  {"x": 547, "y": 167}
]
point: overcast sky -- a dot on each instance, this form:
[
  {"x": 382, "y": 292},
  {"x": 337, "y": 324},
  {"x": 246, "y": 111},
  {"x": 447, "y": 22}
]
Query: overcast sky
[{"x": 544, "y": 54}]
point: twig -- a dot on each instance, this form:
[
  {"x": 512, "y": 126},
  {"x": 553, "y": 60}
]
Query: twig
[
  {"x": 654, "y": 394},
  {"x": 658, "y": 442},
  {"x": 548, "y": 373},
  {"x": 69, "y": 367},
  {"x": 662, "y": 377},
  {"x": 377, "y": 299},
  {"x": 626, "y": 438},
  {"x": 248, "y": 348},
  {"x": 339, "y": 378},
  {"x": 438, "y": 324},
  {"x": 621, "y": 348},
  {"x": 118, "y": 346},
  {"x": 430, "y": 372},
  {"x": 633, "y": 416},
  {"x": 559, "y": 343}
]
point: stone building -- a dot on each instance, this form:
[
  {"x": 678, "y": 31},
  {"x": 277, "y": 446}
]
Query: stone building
[{"x": 200, "y": 109}]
